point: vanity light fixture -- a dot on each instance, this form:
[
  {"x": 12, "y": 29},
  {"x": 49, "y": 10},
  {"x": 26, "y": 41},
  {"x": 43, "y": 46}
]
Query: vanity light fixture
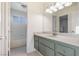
[
  {"x": 53, "y": 9},
  {"x": 58, "y": 6}
]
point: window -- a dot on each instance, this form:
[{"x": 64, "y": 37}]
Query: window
[{"x": 19, "y": 20}]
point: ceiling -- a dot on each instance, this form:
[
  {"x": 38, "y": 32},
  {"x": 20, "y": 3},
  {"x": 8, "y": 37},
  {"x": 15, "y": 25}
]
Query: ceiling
[{"x": 19, "y": 6}]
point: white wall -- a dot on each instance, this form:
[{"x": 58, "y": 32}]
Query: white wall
[
  {"x": 37, "y": 22},
  {"x": 5, "y": 28},
  {"x": 47, "y": 22}
]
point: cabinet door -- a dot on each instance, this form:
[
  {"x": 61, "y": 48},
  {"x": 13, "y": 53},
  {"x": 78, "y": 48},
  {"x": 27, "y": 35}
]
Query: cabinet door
[
  {"x": 42, "y": 49},
  {"x": 35, "y": 38},
  {"x": 36, "y": 45},
  {"x": 36, "y": 42}
]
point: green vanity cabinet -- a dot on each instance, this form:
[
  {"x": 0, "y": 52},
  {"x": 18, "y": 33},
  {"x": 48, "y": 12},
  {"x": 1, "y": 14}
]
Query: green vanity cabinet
[
  {"x": 36, "y": 42},
  {"x": 51, "y": 47}
]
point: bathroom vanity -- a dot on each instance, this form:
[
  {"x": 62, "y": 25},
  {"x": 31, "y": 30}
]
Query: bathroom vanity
[{"x": 49, "y": 45}]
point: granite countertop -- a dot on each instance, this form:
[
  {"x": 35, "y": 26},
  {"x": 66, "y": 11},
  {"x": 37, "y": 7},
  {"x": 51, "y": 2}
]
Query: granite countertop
[{"x": 61, "y": 38}]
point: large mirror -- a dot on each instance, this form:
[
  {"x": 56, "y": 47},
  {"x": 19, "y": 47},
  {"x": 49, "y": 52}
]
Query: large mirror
[
  {"x": 66, "y": 20},
  {"x": 63, "y": 24}
]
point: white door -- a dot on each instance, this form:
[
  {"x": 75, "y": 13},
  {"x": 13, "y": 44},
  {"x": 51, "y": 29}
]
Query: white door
[{"x": 4, "y": 28}]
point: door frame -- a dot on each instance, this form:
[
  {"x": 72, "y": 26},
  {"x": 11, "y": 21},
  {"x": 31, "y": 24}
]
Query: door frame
[{"x": 5, "y": 30}]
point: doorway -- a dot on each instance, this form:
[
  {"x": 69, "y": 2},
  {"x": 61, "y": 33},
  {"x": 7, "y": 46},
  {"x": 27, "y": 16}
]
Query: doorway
[{"x": 18, "y": 29}]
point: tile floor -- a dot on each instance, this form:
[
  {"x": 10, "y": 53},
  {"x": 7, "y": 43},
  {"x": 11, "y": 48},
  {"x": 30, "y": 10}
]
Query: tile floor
[
  {"x": 35, "y": 53},
  {"x": 22, "y": 52}
]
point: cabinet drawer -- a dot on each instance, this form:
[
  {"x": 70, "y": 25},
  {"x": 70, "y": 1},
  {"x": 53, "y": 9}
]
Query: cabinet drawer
[
  {"x": 42, "y": 49},
  {"x": 35, "y": 38},
  {"x": 45, "y": 50},
  {"x": 64, "y": 50},
  {"x": 44, "y": 41},
  {"x": 47, "y": 42}
]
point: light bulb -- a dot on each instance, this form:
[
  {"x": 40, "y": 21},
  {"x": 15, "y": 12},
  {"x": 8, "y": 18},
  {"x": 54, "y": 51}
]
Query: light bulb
[
  {"x": 48, "y": 10},
  {"x": 53, "y": 8},
  {"x": 60, "y": 7},
  {"x": 57, "y": 4}
]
